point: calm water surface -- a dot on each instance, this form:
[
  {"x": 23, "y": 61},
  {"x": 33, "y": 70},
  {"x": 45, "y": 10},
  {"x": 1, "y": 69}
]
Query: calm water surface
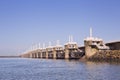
[{"x": 43, "y": 69}]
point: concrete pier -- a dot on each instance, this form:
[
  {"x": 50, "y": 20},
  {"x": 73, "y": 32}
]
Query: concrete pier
[
  {"x": 58, "y": 52},
  {"x": 39, "y": 53},
  {"x": 93, "y": 45},
  {"x": 71, "y": 49},
  {"x": 49, "y": 52}
]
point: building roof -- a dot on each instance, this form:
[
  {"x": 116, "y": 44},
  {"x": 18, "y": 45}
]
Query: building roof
[
  {"x": 49, "y": 47},
  {"x": 93, "y": 39},
  {"x": 58, "y": 46},
  {"x": 113, "y": 42},
  {"x": 71, "y": 43}
]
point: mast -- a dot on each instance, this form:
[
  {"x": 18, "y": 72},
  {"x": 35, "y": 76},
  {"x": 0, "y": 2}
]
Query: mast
[
  {"x": 39, "y": 46},
  {"x": 71, "y": 38},
  {"x": 58, "y": 42},
  {"x": 90, "y": 32},
  {"x": 49, "y": 43},
  {"x": 43, "y": 45}
]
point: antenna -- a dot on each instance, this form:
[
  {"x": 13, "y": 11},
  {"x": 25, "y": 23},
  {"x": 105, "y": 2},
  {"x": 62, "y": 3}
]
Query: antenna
[
  {"x": 33, "y": 47},
  {"x": 43, "y": 45},
  {"x": 71, "y": 38},
  {"x": 58, "y": 42},
  {"x": 39, "y": 46},
  {"x": 90, "y": 32},
  {"x": 49, "y": 43},
  {"x": 30, "y": 48}
]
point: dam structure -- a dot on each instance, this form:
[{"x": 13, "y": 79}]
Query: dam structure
[{"x": 70, "y": 50}]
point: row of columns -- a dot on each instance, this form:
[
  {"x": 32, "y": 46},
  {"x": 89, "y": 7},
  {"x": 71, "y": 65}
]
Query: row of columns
[{"x": 70, "y": 51}]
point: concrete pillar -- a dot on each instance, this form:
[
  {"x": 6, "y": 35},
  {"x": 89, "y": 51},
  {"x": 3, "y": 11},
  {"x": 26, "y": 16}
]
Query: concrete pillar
[
  {"x": 36, "y": 54},
  {"x": 41, "y": 55},
  {"x": 89, "y": 50},
  {"x": 30, "y": 55},
  {"x": 44, "y": 54},
  {"x": 54, "y": 54},
  {"x": 33, "y": 55},
  {"x": 67, "y": 54},
  {"x": 47, "y": 55}
]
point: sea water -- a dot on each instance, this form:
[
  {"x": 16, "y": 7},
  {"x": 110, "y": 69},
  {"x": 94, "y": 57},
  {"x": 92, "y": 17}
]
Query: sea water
[{"x": 51, "y": 69}]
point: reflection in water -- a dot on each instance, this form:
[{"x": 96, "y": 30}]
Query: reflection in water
[
  {"x": 49, "y": 69},
  {"x": 72, "y": 63},
  {"x": 103, "y": 71}
]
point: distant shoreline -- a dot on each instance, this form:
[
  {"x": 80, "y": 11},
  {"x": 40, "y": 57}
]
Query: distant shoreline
[{"x": 9, "y": 56}]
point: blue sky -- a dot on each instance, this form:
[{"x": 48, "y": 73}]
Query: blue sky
[{"x": 27, "y": 22}]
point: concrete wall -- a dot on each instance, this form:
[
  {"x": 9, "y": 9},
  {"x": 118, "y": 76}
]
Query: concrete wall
[
  {"x": 89, "y": 49},
  {"x": 114, "y": 45}
]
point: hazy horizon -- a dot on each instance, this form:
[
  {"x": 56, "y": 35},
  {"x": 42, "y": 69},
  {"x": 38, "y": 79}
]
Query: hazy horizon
[{"x": 24, "y": 23}]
